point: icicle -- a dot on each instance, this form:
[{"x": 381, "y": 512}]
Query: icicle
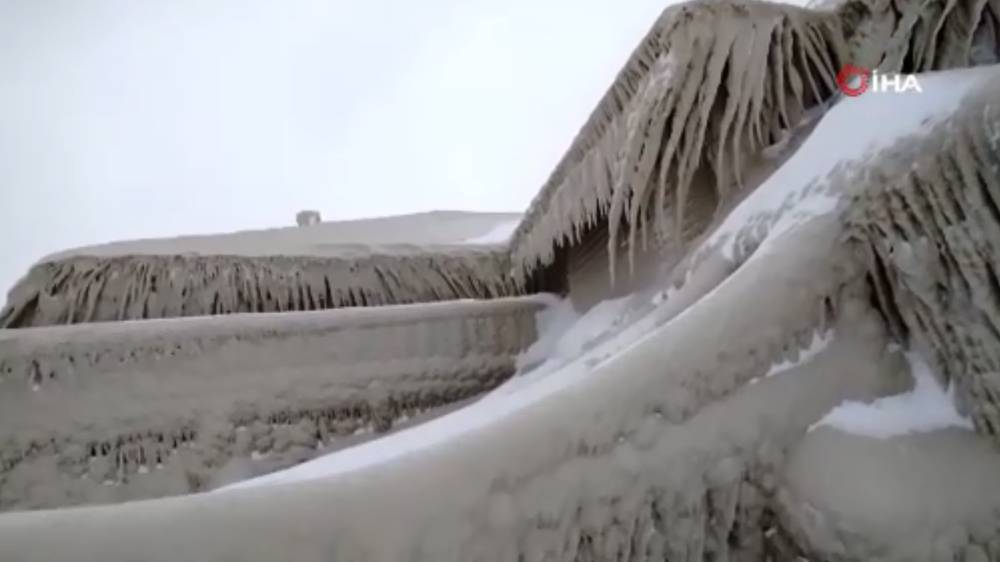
[
  {"x": 79, "y": 289},
  {"x": 648, "y": 134}
]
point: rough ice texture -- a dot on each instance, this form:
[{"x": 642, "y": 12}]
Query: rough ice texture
[
  {"x": 93, "y": 289},
  {"x": 921, "y": 35},
  {"x": 678, "y": 110},
  {"x": 929, "y": 218},
  {"x": 565, "y": 338},
  {"x": 846, "y": 136},
  {"x": 711, "y": 82},
  {"x": 110, "y": 412},
  {"x": 294, "y": 269}
]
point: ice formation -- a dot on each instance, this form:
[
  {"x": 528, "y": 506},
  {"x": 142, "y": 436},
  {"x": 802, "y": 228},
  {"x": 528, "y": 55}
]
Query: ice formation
[
  {"x": 328, "y": 265},
  {"x": 772, "y": 390},
  {"x": 210, "y": 400},
  {"x": 635, "y": 160}
]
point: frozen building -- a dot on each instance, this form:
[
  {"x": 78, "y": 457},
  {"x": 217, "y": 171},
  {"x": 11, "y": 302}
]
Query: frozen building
[{"x": 747, "y": 318}]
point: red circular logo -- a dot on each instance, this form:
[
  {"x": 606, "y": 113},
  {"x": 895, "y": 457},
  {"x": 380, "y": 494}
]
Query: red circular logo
[{"x": 848, "y": 75}]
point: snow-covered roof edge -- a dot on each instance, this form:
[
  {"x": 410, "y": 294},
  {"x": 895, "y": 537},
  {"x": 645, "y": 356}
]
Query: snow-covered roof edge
[
  {"x": 608, "y": 171},
  {"x": 136, "y": 287}
]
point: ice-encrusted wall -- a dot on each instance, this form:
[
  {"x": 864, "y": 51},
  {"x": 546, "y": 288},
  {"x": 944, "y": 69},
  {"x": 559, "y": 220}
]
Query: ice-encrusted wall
[
  {"x": 79, "y": 289},
  {"x": 116, "y": 411},
  {"x": 930, "y": 216},
  {"x": 678, "y": 109},
  {"x": 709, "y": 84}
]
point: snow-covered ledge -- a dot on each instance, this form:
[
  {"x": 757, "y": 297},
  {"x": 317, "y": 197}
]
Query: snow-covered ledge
[{"x": 109, "y": 412}]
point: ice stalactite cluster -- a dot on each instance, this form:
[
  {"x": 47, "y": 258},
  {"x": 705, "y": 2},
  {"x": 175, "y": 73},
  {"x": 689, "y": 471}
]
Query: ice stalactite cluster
[
  {"x": 134, "y": 287},
  {"x": 73, "y": 468},
  {"x": 930, "y": 215},
  {"x": 116, "y": 411},
  {"x": 679, "y": 109},
  {"x": 709, "y": 83},
  {"x": 921, "y": 36}
]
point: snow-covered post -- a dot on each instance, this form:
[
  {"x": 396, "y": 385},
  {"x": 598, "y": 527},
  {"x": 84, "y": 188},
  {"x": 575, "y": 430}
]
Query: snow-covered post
[{"x": 307, "y": 218}]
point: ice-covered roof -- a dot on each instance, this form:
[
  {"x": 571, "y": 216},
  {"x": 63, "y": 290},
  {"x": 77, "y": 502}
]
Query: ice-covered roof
[
  {"x": 678, "y": 98},
  {"x": 399, "y": 234},
  {"x": 422, "y": 257}
]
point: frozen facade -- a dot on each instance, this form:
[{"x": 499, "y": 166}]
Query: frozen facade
[{"x": 747, "y": 318}]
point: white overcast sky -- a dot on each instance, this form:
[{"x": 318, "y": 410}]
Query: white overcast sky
[{"x": 123, "y": 119}]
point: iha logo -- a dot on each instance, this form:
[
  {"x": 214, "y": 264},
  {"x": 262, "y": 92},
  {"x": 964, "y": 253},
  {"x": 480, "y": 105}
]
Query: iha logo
[{"x": 856, "y": 80}]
